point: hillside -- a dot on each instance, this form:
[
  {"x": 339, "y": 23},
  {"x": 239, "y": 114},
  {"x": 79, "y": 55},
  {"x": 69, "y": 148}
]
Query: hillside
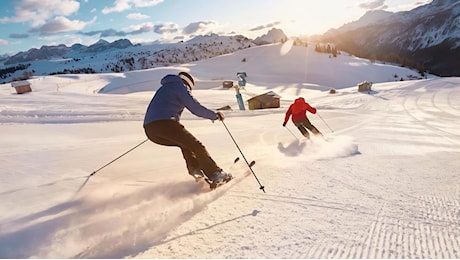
[
  {"x": 426, "y": 38},
  {"x": 299, "y": 67}
]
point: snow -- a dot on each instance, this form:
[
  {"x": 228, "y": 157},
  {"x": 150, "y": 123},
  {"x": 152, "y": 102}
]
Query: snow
[{"x": 383, "y": 185}]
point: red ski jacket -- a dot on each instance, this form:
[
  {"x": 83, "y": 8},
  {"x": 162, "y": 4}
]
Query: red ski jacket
[{"x": 298, "y": 110}]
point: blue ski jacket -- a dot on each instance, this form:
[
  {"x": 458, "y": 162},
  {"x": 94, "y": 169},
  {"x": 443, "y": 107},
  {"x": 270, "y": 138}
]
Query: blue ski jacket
[{"x": 170, "y": 100}]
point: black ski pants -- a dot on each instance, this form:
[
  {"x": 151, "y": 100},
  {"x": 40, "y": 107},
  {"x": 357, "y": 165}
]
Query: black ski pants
[{"x": 170, "y": 132}]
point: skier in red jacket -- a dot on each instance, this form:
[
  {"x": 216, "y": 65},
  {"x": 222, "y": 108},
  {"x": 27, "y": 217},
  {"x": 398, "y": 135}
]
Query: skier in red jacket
[{"x": 298, "y": 110}]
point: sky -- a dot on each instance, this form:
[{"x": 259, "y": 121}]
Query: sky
[
  {"x": 383, "y": 185},
  {"x": 29, "y": 24}
]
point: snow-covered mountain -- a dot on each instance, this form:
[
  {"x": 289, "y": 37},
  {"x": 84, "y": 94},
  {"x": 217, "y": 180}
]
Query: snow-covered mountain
[
  {"x": 369, "y": 18},
  {"x": 427, "y": 37},
  {"x": 50, "y": 52},
  {"x": 273, "y": 36},
  {"x": 121, "y": 55},
  {"x": 118, "y": 56}
]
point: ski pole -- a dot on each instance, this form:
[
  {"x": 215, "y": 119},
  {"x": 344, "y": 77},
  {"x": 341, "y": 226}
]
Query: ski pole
[
  {"x": 292, "y": 133},
  {"x": 94, "y": 172},
  {"x": 324, "y": 122},
  {"x": 244, "y": 157}
]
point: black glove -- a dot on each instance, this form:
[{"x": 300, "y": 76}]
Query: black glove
[
  {"x": 284, "y": 124},
  {"x": 220, "y": 116}
]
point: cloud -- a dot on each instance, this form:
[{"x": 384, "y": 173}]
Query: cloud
[
  {"x": 373, "y": 4},
  {"x": 199, "y": 27},
  {"x": 4, "y": 42},
  {"x": 261, "y": 27},
  {"x": 19, "y": 35},
  {"x": 137, "y": 16},
  {"x": 409, "y": 6},
  {"x": 166, "y": 28},
  {"x": 62, "y": 24},
  {"x": 136, "y": 29},
  {"x": 141, "y": 28},
  {"x": 5, "y": 19},
  {"x": 105, "y": 33},
  {"x": 179, "y": 38},
  {"x": 37, "y": 12},
  {"x": 123, "y": 5},
  {"x": 258, "y": 28}
]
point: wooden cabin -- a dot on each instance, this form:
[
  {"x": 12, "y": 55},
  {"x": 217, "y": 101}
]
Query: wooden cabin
[
  {"x": 266, "y": 100},
  {"x": 22, "y": 86}
]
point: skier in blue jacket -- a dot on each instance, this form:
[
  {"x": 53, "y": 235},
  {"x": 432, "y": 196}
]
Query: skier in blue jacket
[{"x": 162, "y": 126}]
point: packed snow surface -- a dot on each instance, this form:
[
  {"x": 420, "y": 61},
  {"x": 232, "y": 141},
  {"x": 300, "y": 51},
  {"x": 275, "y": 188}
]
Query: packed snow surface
[{"x": 383, "y": 184}]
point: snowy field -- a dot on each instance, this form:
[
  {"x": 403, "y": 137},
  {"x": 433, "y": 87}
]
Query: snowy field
[{"x": 385, "y": 184}]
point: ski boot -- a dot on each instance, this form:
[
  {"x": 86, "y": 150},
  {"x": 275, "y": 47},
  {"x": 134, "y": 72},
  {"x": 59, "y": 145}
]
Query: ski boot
[{"x": 219, "y": 178}]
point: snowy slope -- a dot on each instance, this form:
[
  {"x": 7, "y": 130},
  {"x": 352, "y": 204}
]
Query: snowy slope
[{"x": 385, "y": 185}]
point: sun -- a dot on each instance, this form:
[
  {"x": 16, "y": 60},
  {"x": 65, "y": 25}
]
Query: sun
[{"x": 313, "y": 17}]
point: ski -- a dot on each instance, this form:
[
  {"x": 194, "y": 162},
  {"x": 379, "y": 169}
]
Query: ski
[{"x": 213, "y": 185}]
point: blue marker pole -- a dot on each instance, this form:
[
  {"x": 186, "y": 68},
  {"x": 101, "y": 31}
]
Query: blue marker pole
[
  {"x": 241, "y": 83},
  {"x": 239, "y": 98}
]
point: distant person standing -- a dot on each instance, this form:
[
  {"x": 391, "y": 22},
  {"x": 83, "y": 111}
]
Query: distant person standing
[
  {"x": 162, "y": 126},
  {"x": 298, "y": 110}
]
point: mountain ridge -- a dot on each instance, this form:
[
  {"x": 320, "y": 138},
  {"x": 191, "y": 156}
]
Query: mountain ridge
[
  {"x": 121, "y": 55},
  {"x": 426, "y": 38}
]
